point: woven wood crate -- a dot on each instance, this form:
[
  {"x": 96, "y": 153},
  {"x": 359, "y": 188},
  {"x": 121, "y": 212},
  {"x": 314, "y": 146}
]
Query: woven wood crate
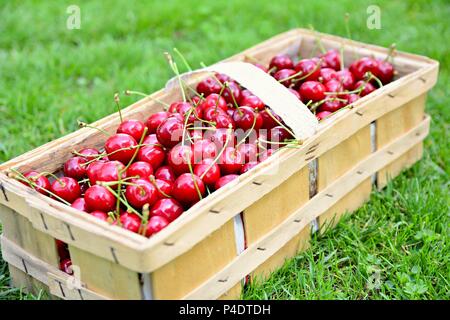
[{"x": 201, "y": 255}]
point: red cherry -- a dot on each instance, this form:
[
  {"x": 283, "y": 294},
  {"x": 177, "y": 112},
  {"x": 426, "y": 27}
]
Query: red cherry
[
  {"x": 179, "y": 158},
  {"x": 268, "y": 121},
  {"x": 224, "y": 121},
  {"x": 211, "y": 113},
  {"x": 326, "y": 74},
  {"x": 346, "y": 78},
  {"x": 352, "y": 98},
  {"x": 185, "y": 190},
  {"x": 185, "y": 109},
  {"x": 249, "y": 151},
  {"x": 66, "y": 188},
  {"x": 222, "y": 77},
  {"x": 93, "y": 169},
  {"x": 209, "y": 170},
  {"x": 246, "y": 118},
  {"x": 120, "y": 147},
  {"x": 309, "y": 69},
  {"x": 215, "y": 101},
  {"x": 322, "y": 115},
  {"x": 170, "y": 132},
  {"x": 151, "y": 140},
  {"x": 130, "y": 222},
  {"x": 173, "y": 107},
  {"x": 41, "y": 181},
  {"x": 62, "y": 248},
  {"x": 232, "y": 94},
  {"x": 225, "y": 180},
  {"x": 231, "y": 161},
  {"x": 165, "y": 173},
  {"x": 208, "y": 86},
  {"x": 140, "y": 193},
  {"x": 99, "y": 215},
  {"x": 155, "y": 224},
  {"x": 154, "y": 155},
  {"x": 384, "y": 71},
  {"x": 74, "y": 168},
  {"x": 203, "y": 149},
  {"x": 282, "y": 74},
  {"x": 334, "y": 86},
  {"x": 312, "y": 90},
  {"x": 140, "y": 169},
  {"x": 367, "y": 87},
  {"x": 168, "y": 208},
  {"x": 253, "y": 102},
  {"x": 155, "y": 120},
  {"x": 109, "y": 172},
  {"x": 363, "y": 65},
  {"x": 196, "y": 100},
  {"x": 163, "y": 188},
  {"x": 331, "y": 105},
  {"x": 248, "y": 166},
  {"x": 331, "y": 59},
  {"x": 219, "y": 137},
  {"x": 66, "y": 266},
  {"x": 246, "y": 93},
  {"x": 89, "y": 153},
  {"x": 134, "y": 128},
  {"x": 80, "y": 204},
  {"x": 98, "y": 198},
  {"x": 281, "y": 61},
  {"x": 279, "y": 134}
]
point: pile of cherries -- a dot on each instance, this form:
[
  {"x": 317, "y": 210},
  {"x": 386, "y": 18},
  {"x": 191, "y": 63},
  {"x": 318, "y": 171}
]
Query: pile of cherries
[{"x": 152, "y": 170}]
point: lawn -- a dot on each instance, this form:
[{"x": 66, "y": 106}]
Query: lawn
[{"x": 51, "y": 76}]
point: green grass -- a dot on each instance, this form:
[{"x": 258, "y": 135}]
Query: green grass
[{"x": 51, "y": 76}]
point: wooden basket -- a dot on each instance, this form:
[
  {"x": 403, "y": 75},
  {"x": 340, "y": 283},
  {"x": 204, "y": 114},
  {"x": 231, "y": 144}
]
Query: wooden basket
[{"x": 202, "y": 255}]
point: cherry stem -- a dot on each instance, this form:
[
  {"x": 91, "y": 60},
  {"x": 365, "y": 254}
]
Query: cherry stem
[
  {"x": 272, "y": 69},
  {"x": 153, "y": 181},
  {"x": 130, "y": 92},
  {"x": 391, "y": 53},
  {"x": 183, "y": 59},
  {"x": 318, "y": 40},
  {"x": 45, "y": 173},
  {"x": 136, "y": 151},
  {"x": 219, "y": 154},
  {"x": 251, "y": 59},
  {"x": 82, "y": 124},
  {"x": 269, "y": 112},
  {"x": 187, "y": 115},
  {"x": 117, "y": 101},
  {"x": 122, "y": 200},
  {"x": 174, "y": 68},
  {"x": 144, "y": 222},
  {"x": 194, "y": 180},
  {"x": 247, "y": 134}
]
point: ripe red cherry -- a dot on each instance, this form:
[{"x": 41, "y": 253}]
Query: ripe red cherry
[
  {"x": 232, "y": 93},
  {"x": 211, "y": 113},
  {"x": 187, "y": 187},
  {"x": 331, "y": 59},
  {"x": 170, "y": 132},
  {"x": 224, "y": 121},
  {"x": 165, "y": 173},
  {"x": 312, "y": 90},
  {"x": 93, "y": 169},
  {"x": 249, "y": 151},
  {"x": 331, "y": 105},
  {"x": 140, "y": 169},
  {"x": 334, "y": 86},
  {"x": 140, "y": 193},
  {"x": 168, "y": 208},
  {"x": 163, "y": 188},
  {"x": 74, "y": 168},
  {"x": 109, "y": 172},
  {"x": 231, "y": 161},
  {"x": 155, "y": 120},
  {"x": 132, "y": 127},
  {"x": 89, "y": 153},
  {"x": 100, "y": 215},
  {"x": 246, "y": 118},
  {"x": 309, "y": 69},
  {"x": 279, "y": 134},
  {"x": 155, "y": 224},
  {"x": 208, "y": 86},
  {"x": 222, "y": 77},
  {"x": 322, "y": 115},
  {"x": 173, "y": 107},
  {"x": 179, "y": 158},
  {"x": 246, "y": 93},
  {"x": 80, "y": 204},
  {"x": 219, "y": 137},
  {"x": 209, "y": 170},
  {"x": 66, "y": 188},
  {"x": 215, "y": 101},
  {"x": 41, "y": 181},
  {"x": 120, "y": 147},
  {"x": 384, "y": 71},
  {"x": 185, "y": 109},
  {"x": 367, "y": 87},
  {"x": 248, "y": 166},
  {"x": 63, "y": 251},
  {"x": 130, "y": 221},
  {"x": 98, "y": 198},
  {"x": 346, "y": 78},
  {"x": 154, "y": 155},
  {"x": 268, "y": 121},
  {"x": 203, "y": 149},
  {"x": 281, "y": 61},
  {"x": 66, "y": 266},
  {"x": 225, "y": 180},
  {"x": 326, "y": 74},
  {"x": 352, "y": 98},
  {"x": 283, "y": 74},
  {"x": 363, "y": 65}
]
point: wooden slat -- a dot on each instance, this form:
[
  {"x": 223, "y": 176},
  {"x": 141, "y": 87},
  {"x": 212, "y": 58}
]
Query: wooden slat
[
  {"x": 185, "y": 273},
  {"x": 394, "y": 124},
  {"x": 252, "y": 257}
]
